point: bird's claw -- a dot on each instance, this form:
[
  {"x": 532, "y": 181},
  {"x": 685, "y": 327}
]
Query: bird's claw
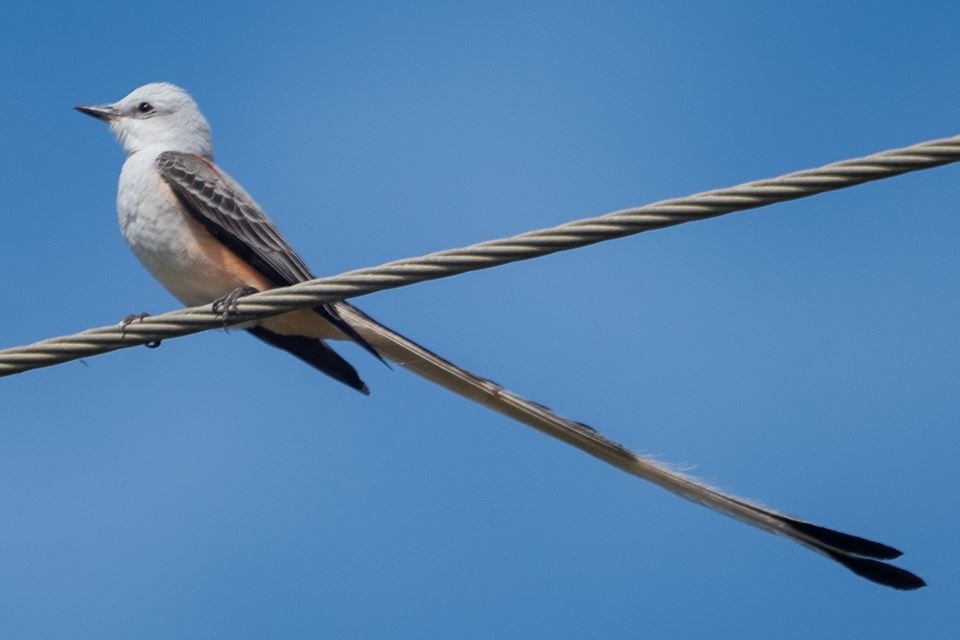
[
  {"x": 133, "y": 316},
  {"x": 137, "y": 317},
  {"x": 227, "y": 305}
]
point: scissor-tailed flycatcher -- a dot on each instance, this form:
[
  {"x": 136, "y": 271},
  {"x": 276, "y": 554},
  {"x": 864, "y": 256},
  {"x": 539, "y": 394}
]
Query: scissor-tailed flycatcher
[{"x": 200, "y": 234}]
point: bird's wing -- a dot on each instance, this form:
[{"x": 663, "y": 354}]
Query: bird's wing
[
  {"x": 863, "y": 557},
  {"x": 224, "y": 209}
]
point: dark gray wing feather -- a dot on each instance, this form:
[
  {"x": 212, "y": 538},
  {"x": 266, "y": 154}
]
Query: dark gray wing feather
[
  {"x": 222, "y": 206},
  {"x": 224, "y": 209}
]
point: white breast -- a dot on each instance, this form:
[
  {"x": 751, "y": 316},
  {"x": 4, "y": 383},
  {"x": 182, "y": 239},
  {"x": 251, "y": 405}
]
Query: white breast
[{"x": 168, "y": 243}]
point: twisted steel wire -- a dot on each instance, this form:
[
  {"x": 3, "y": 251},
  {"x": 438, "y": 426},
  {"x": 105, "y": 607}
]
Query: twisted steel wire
[{"x": 487, "y": 254}]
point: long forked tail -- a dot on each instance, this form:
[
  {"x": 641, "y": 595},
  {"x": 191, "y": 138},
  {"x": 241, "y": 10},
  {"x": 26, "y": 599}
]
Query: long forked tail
[{"x": 863, "y": 557}]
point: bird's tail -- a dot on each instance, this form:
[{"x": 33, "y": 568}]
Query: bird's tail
[{"x": 863, "y": 557}]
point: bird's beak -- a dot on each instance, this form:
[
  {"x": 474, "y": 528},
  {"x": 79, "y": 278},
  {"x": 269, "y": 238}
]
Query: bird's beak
[{"x": 103, "y": 112}]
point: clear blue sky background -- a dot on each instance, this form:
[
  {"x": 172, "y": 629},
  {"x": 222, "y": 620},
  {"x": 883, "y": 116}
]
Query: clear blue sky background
[{"x": 804, "y": 355}]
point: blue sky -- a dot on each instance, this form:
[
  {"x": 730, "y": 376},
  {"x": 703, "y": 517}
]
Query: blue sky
[{"x": 804, "y": 355}]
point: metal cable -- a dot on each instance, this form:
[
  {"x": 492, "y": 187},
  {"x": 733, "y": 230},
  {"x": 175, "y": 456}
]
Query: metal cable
[{"x": 488, "y": 254}]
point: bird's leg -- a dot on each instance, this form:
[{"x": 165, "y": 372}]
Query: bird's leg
[
  {"x": 127, "y": 319},
  {"x": 227, "y": 305}
]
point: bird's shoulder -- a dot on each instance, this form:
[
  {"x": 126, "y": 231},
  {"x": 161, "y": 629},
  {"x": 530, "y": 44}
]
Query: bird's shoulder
[{"x": 200, "y": 177}]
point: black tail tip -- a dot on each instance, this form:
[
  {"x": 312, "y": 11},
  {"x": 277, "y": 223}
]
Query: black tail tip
[
  {"x": 862, "y": 556},
  {"x": 880, "y": 572},
  {"x": 844, "y": 541}
]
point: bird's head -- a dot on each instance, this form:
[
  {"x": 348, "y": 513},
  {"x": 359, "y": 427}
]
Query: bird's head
[{"x": 158, "y": 114}]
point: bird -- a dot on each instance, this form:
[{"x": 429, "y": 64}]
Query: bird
[{"x": 199, "y": 233}]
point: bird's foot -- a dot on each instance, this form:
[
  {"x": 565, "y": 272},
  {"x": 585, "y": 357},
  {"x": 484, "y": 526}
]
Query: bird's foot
[
  {"x": 136, "y": 317},
  {"x": 131, "y": 317},
  {"x": 227, "y": 305}
]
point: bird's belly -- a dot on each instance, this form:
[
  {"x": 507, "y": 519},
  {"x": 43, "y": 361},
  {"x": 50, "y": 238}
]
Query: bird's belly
[
  {"x": 183, "y": 256},
  {"x": 198, "y": 269},
  {"x": 188, "y": 260},
  {"x": 192, "y": 264}
]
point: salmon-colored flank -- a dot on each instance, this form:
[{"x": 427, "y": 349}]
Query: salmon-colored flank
[{"x": 223, "y": 265}]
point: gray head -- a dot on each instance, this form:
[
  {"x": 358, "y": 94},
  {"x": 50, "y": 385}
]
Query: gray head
[{"x": 158, "y": 115}]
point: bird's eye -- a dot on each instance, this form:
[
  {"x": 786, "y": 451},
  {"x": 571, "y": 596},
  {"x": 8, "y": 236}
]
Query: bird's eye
[{"x": 144, "y": 107}]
